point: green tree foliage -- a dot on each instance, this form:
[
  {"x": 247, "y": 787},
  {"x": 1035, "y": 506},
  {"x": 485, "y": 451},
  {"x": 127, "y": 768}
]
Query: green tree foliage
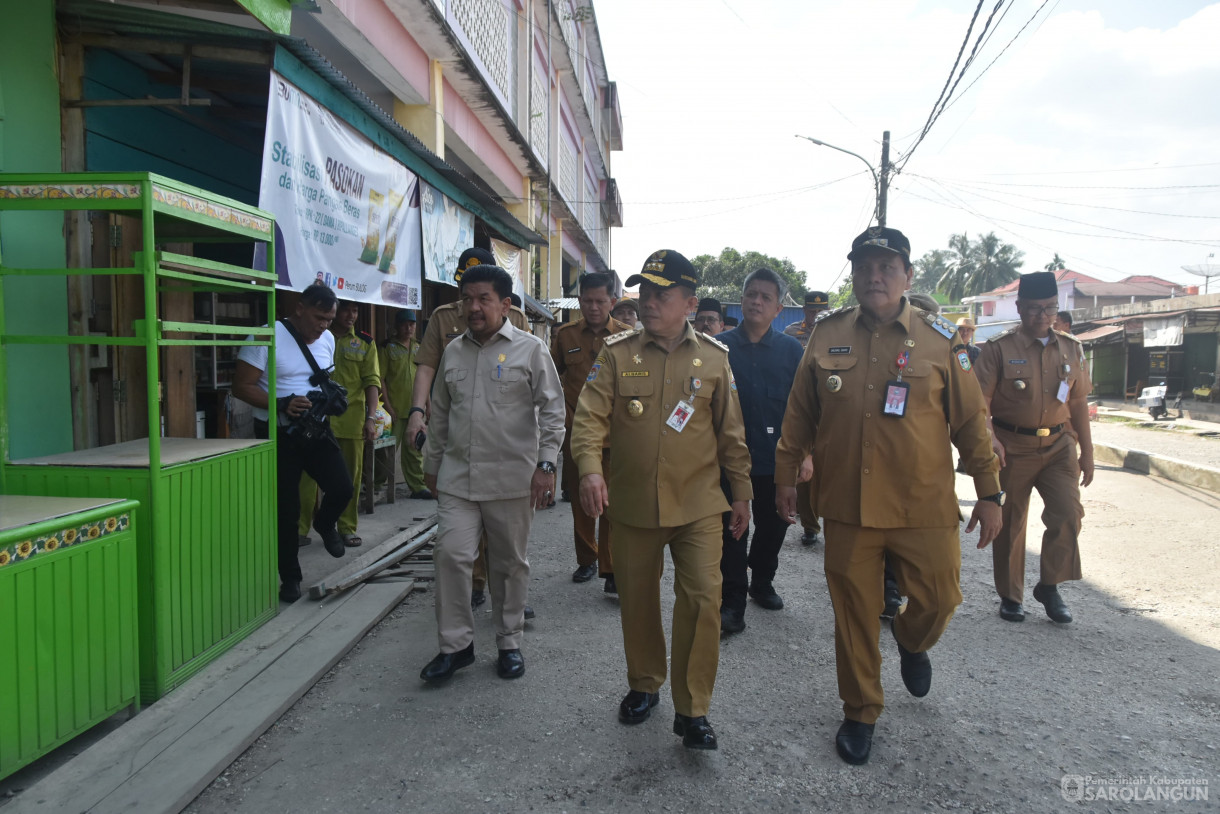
[
  {"x": 1056, "y": 264},
  {"x": 843, "y": 296},
  {"x": 724, "y": 276},
  {"x": 977, "y": 266},
  {"x": 929, "y": 269}
]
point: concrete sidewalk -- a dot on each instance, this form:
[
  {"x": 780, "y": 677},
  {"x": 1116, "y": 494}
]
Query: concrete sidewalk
[{"x": 1179, "y": 450}]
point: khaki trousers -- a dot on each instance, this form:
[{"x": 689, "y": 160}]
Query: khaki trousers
[
  {"x": 804, "y": 507},
  {"x": 927, "y": 563},
  {"x": 506, "y": 523},
  {"x": 1055, "y": 472},
  {"x": 353, "y": 455},
  {"x": 639, "y": 555},
  {"x": 591, "y": 535}
]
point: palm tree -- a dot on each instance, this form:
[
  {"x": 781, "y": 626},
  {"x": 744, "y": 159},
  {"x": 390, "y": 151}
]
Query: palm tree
[{"x": 983, "y": 265}]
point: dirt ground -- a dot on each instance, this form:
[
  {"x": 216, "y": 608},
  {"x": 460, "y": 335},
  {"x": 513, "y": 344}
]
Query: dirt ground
[{"x": 1129, "y": 690}]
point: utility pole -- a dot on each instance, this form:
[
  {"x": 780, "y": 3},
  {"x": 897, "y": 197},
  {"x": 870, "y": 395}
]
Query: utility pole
[{"x": 883, "y": 183}]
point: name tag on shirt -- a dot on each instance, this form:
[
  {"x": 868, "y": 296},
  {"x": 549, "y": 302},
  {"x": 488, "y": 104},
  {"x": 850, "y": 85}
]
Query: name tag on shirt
[
  {"x": 683, "y": 410},
  {"x": 1064, "y": 387}
]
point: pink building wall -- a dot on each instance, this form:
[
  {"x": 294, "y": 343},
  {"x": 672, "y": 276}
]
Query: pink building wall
[
  {"x": 470, "y": 130},
  {"x": 376, "y": 22}
]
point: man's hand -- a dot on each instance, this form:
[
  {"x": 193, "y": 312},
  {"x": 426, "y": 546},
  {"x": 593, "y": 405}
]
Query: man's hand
[
  {"x": 998, "y": 448},
  {"x": 805, "y": 474},
  {"x": 542, "y": 487},
  {"x": 1086, "y": 467},
  {"x": 594, "y": 496},
  {"x": 415, "y": 425},
  {"x": 739, "y": 521},
  {"x": 988, "y": 517},
  {"x": 785, "y": 502},
  {"x": 370, "y": 429},
  {"x": 298, "y": 406},
  {"x": 430, "y": 483}
]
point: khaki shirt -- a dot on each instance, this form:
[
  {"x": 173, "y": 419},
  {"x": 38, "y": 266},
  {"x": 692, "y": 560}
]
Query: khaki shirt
[
  {"x": 797, "y": 331},
  {"x": 877, "y": 470},
  {"x": 1015, "y": 356},
  {"x": 574, "y": 346},
  {"x": 662, "y": 478},
  {"x": 446, "y": 324},
  {"x": 497, "y": 412},
  {"x": 398, "y": 365},
  {"x": 356, "y": 368}
]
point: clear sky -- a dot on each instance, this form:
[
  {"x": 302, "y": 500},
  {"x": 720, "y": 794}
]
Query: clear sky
[{"x": 1095, "y": 135}]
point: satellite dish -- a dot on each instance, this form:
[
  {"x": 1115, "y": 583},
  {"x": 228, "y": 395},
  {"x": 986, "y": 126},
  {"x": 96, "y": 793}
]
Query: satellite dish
[{"x": 1204, "y": 270}]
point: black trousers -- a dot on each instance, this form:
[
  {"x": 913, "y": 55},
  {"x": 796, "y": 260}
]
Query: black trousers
[
  {"x": 321, "y": 460},
  {"x": 762, "y": 556}
]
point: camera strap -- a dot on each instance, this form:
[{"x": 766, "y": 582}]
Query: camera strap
[{"x": 313, "y": 363}]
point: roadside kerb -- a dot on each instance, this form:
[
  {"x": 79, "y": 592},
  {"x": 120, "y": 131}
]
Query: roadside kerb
[{"x": 1148, "y": 463}]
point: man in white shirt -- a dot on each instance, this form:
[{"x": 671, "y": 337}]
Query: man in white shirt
[{"x": 317, "y": 455}]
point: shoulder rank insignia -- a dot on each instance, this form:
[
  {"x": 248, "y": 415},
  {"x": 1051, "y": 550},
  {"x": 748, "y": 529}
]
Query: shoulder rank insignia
[
  {"x": 939, "y": 324},
  {"x": 1003, "y": 334},
  {"x": 621, "y": 335},
  {"x": 713, "y": 340},
  {"x": 828, "y": 313},
  {"x": 1066, "y": 335},
  {"x": 366, "y": 337}
]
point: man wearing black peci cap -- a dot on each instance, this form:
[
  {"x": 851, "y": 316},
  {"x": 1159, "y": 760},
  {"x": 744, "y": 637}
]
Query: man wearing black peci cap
[
  {"x": 663, "y": 399},
  {"x": 816, "y": 303},
  {"x": 1036, "y": 385},
  {"x": 709, "y": 316},
  {"x": 879, "y": 396}
]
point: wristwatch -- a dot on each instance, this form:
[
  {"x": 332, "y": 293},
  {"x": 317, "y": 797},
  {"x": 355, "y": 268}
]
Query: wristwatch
[
  {"x": 997, "y": 498},
  {"x": 547, "y": 467}
]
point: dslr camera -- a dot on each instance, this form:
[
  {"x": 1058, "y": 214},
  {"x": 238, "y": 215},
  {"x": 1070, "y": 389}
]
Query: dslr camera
[{"x": 329, "y": 399}]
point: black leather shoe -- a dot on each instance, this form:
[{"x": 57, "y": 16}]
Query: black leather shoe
[
  {"x": 766, "y": 597},
  {"x": 636, "y": 706},
  {"x": 477, "y": 597},
  {"x": 1011, "y": 611},
  {"x": 290, "y": 591},
  {"x": 810, "y": 537},
  {"x": 529, "y": 612},
  {"x": 696, "y": 732},
  {"x": 445, "y": 665},
  {"x": 854, "y": 741},
  {"x": 1049, "y": 596},
  {"x": 611, "y": 585},
  {"x": 332, "y": 540},
  {"x": 422, "y": 494},
  {"x": 893, "y": 603},
  {"x": 732, "y": 620},
  {"x": 916, "y": 670},
  {"x": 565, "y": 497},
  {"x": 511, "y": 664},
  {"x": 584, "y": 573}
]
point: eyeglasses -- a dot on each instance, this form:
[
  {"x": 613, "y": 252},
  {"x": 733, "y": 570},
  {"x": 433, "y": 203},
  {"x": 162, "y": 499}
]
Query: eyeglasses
[{"x": 1041, "y": 310}]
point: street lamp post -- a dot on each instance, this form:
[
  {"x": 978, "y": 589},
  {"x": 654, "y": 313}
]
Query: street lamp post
[{"x": 880, "y": 182}]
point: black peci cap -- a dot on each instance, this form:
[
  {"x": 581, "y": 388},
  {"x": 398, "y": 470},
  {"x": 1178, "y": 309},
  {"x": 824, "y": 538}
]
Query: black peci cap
[
  {"x": 1041, "y": 285},
  {"x": 884, "y": 238},
  {"x": 710, "y": 304},
  {"x": 666, "y": 268}
]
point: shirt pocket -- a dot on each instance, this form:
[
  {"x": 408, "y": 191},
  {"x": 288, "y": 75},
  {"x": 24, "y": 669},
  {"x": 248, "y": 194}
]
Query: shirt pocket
[
  {"x": 1016, "y": 383},
  {"x": 639, "y": 390},
  {"x": 507, "y": 383},
  {"x": 455, "y": 379},
  {"x": 835, "y": 372},
  {"x": 689, "y": 391}
]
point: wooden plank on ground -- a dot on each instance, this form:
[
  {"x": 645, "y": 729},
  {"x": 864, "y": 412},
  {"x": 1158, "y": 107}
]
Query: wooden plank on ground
[
  {"x": 104, "y": 769},
  {"x": 377, "y": 552},
  {"x": 330, "y": 586}
]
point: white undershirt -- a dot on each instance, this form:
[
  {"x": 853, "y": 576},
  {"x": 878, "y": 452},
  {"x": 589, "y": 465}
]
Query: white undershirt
[{"x": 292, "y": 370}]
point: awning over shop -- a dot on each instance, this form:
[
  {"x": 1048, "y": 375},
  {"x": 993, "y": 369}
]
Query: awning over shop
[
  {"x": 1106, "y": 333},
  {"x": 535, "y": 308}
]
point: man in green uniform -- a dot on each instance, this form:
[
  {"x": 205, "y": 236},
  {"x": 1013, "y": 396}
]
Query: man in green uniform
[
  {"x": 879, "y": 396},
  {"x": 356, "y": 369},
  {"x": 397, "y": 359},
  {"x": 664, "y": 399},
  {"x": 1036, "y": 385}
]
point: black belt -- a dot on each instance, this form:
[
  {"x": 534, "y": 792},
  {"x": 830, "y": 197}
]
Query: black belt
[{"x": 1041, "y": 432}]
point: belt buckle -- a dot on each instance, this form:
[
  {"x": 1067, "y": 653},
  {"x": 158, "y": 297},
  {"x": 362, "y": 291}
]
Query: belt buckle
[{"x": 1043, "y": 432}]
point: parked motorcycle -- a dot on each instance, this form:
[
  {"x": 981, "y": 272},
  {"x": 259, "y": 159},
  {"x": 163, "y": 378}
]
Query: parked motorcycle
[{"x": 1155, "y": 399}]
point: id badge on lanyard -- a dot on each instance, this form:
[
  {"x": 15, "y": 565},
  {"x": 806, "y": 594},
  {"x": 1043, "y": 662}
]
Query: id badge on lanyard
[
  {"x": 684, "y": 409},
  {"x": 896, "y": 392}
]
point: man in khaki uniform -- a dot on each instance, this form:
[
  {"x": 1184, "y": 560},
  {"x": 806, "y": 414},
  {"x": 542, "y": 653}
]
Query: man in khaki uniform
[
  {"x": 1036, "y": 385},
  {"x": 497, "y": 424},
  {"x": 356, "y": 368},
  {"x": 664, "y": 399},
  {"x": 878, "y": 398},
  {"x": 574, "y": 346},
  {"x": 447, "y": 323},
  {"x": 816, "y": 304}
]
